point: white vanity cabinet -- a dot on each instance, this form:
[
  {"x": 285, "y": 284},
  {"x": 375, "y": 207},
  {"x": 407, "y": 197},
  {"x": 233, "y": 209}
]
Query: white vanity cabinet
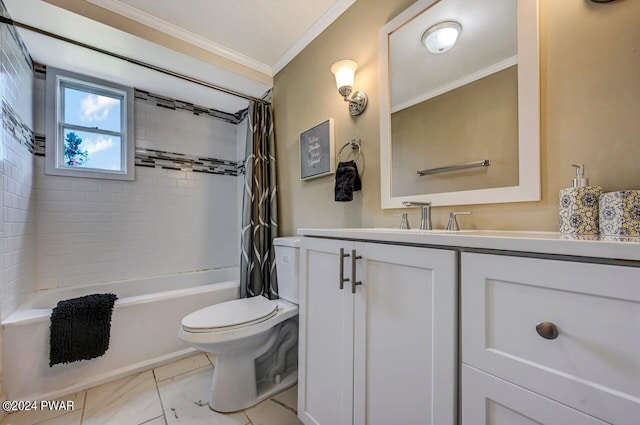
[
  {"x": 382, "y": 352},
  {"x": 581, "y": 365}
]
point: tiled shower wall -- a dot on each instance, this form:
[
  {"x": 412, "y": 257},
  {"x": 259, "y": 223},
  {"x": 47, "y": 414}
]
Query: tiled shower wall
[
  {"x": 17, "y": 200},
  {"x": 166, "y": 221},
  {"x": 65, "y": 231}
]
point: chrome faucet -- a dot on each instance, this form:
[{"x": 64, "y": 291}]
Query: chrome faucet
[
  {"x": 425, "y": 216},
  {"x": 404, "y": 221},
  {"x": 453, "y": 222}
]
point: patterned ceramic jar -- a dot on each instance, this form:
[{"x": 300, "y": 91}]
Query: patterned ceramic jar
[
  {"x": 620, "y": 213},
  {"x": 579, "y": 210}
]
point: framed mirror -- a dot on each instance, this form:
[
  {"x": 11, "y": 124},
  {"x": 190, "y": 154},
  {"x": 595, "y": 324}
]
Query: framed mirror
[{"x": 460, "y": 123}]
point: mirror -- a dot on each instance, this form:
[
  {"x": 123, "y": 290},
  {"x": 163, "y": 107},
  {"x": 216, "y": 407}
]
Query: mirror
[{"x": 461, "y": 126}]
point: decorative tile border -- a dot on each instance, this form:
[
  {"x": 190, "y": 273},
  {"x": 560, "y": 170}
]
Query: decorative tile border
[
  {"x": 176, "y": 105},
  {"x": 40, "y": 149},
  {"x": 160, "y": 159},
  {"x": 178, "y": 161},
  {"x": 40, "y": 72},
  {"x": 12, "y": 123}
]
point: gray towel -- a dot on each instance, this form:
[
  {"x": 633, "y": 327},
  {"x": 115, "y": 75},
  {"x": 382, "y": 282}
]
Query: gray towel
[{"x": 80, "y": 328}]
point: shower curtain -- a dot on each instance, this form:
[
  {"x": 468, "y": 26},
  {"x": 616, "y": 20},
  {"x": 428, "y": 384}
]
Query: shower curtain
[{"x": 259, "y": 210}]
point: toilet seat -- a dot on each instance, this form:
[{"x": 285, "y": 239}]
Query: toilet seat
[{"x": 230, "y": 315}]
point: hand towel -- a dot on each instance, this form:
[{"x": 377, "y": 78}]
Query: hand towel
[{"x": 347, "y": 181}]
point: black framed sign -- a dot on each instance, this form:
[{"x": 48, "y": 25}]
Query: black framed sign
[{"x": 317, "y": 151}]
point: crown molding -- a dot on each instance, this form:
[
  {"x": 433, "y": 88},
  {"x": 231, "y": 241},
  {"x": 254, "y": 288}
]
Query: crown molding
[
  {"x": 316, "y": 29},
  {"x": 154, "y": 22},
  {"x": 123, "y": 9}
]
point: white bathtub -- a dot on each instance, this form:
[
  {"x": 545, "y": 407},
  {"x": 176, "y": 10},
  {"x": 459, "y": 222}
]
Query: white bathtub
[{"x": 144, "y": 332}]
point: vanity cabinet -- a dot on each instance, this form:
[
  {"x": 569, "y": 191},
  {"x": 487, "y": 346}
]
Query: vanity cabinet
[
  {"x": 549, "y": 341},
  {"x": 383, "y": 351},
  {"x": 489, "y": 400}
]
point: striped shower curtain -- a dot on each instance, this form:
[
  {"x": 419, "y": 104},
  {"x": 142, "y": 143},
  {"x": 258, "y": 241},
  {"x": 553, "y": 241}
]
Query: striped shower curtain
[{"x": 259, "y": 210}]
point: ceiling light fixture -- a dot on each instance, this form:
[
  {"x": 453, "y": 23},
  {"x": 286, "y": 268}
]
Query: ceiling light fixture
[
  {"x": 441, "y": 37},
  {"x": 344, "y": 71}
]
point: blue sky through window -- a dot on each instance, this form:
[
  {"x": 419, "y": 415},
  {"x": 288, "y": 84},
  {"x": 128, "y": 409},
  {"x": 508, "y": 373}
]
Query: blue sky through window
[
  {"x": 103, "y": 151},
  {"x": 90, "y": 110}
]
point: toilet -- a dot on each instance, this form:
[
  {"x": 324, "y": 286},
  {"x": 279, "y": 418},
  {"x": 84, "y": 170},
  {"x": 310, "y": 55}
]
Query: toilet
[{"x": 255, "y": 339}]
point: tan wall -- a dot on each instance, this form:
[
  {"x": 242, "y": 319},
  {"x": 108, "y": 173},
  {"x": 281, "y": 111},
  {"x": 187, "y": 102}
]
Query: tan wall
[
  {"x": 590, "y": 96},
  {"x": 474, "y": 122}
]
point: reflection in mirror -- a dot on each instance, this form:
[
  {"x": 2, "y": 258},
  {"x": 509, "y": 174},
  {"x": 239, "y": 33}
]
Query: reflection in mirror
[
  {"x": 455, "y": 107},
  {"x": 464, "y": 105}
]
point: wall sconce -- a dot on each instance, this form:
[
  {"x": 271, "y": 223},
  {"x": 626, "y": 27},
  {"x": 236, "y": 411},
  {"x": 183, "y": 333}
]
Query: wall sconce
[{"x": 344, "y": 71}]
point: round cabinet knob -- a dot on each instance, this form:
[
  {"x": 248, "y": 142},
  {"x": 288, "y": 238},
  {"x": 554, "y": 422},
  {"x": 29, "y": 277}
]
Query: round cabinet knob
[{"x": 547, "y": 330}]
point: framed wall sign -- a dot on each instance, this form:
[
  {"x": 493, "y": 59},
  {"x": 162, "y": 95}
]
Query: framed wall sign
[{"x": 317, "y": 152}]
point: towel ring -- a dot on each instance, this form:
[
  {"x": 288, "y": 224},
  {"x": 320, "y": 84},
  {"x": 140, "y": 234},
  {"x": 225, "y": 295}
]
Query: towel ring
[{"x": 355, "y": 144}]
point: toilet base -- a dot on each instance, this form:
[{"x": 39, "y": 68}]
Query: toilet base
[
  {"x": 244, "y": 378},
  {"x": 252, "y": 362},
  {"x": 226, "y": 405}
]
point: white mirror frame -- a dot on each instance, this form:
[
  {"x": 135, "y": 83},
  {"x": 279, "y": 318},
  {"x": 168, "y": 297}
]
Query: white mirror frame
[{"x": 528, "y": 188}]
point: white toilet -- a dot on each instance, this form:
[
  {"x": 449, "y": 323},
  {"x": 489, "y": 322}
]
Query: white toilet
[{"x": 255, "y": 339}]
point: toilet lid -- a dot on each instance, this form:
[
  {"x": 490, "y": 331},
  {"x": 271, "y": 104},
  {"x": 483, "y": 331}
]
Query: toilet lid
[{"x": 230, "y": 314}]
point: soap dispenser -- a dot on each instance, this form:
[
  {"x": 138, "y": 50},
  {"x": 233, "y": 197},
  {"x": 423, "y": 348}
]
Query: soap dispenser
[{"x": 579, "y": 206}]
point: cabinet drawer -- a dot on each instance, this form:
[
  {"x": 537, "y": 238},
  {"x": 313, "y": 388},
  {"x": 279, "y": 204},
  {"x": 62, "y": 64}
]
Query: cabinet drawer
[
  {"x": 487, "y": 400},
  {"x": 593, "y": 365}
]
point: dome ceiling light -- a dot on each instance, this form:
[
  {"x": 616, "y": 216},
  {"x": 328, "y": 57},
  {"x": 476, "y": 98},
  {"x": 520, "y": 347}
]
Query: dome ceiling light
[{"x": 441, "y": 37}]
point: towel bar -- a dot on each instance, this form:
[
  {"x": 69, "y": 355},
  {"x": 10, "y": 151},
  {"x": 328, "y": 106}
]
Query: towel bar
[{"x": 483, "y": 163}]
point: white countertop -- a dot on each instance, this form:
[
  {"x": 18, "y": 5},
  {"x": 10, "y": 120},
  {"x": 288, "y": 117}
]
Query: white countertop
[{"x": 610, "y": 247}]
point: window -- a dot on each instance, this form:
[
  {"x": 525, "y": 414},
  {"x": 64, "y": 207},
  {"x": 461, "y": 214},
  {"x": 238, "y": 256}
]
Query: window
[{"x": 89, "y": 127}]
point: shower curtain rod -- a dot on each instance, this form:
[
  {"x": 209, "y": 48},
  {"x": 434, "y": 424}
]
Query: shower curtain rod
[{"x": 9, "y": 21}]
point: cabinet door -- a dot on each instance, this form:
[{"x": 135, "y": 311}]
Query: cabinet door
[
  {"x": 591, "y": 363},
  {"x": 405, "y": 327},
  {"x": 325, "y": 385},
  {"x": 487, "y": 400}
]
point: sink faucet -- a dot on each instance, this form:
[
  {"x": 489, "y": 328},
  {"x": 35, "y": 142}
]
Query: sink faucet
[
  {"x": 453, "y": 222},
  {"x": 404, "y": 221},
  {"x": 425, "y": 217}
]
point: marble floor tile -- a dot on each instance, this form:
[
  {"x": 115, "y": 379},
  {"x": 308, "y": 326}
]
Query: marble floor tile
[
  {"x": 127, "y": 401},
  {"x": 271, "y": 413},
  {"x": 212, "y": 358},
  {"x": 289, "y": 398},
  {"x": 185, "y": 399},
  {"x": 157, "y": 421},
  {"x": 72, "y": 418},
  {"x": 33, "y": 417},
  {"x": 181, "y": 366}
]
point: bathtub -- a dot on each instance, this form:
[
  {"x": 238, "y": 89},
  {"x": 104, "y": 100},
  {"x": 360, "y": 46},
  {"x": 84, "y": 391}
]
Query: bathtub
[{"x": 144, "y": 332}]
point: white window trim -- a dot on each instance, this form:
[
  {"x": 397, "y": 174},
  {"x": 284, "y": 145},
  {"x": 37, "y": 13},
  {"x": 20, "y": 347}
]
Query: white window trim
[{"x": 54, "y": 159}]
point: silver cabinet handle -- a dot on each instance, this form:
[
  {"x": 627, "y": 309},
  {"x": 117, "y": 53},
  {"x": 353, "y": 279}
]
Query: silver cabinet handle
[
  {"x": 354, "y": 257},
  {"x": 342, "y": 278},
  {"x": 547, "y": 330}
]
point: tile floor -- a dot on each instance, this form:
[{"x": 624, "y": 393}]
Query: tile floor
[{"x": 176, "y": 393}]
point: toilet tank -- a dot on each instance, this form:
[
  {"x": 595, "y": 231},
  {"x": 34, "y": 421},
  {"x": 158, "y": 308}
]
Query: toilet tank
[{"x": 288, "y": 267}]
